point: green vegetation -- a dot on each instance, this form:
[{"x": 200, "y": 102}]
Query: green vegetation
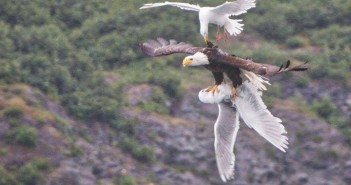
[
  {"x": 6, "y": 178},
  {"x": 138, "y": 151},
  {"x": 73, "y": 149},
  {"x": 14, "y": 112},
  {"x": 65, "y": 48},
  {"x": 29, "y": 173},
  {"x": 324, "y": 108},
  {"x": 125, "y": 180},
  {"x": 23, "y": 135},
  {"x": 68, "y": 50}
]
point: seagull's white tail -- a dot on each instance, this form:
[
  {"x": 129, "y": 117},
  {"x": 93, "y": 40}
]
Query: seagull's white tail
[
  {"x": 233, "y": 26},
  {"x": 256, "y": 115}
]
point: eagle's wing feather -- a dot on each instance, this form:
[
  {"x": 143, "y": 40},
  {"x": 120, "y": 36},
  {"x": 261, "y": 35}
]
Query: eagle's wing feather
[
  {"x": 256, "y": 115},
  {"x": 234, "y": 8},
  {"x": 162, "y": 47},
  {"x": 184, "y": 6},
  {"x": 225, "y": 131},
  {"x": 219, "y": 56}
]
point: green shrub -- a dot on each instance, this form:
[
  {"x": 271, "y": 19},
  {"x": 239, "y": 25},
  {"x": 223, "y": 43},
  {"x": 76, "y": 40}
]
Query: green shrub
[
  {"x": 144, "y": 154},
  {"x": 15, "y": 112},
  {"x": 296, "y": 42},
  {"x": 124, "y": 126},
  {"x": 6, "y": 178},
  {"x": 24, "y": 135},
  {"x": 30, "y": 175},
  {"x": 73, "y": 149},
  {"x": 125, "y": 180},
  {"x": 324, "y": 107},
  {"x": 138, "y": 151},
  {"x": 41, "y": 164},
  {"x": 302, "y": 82},
  {"x": 269, "y": 53}
]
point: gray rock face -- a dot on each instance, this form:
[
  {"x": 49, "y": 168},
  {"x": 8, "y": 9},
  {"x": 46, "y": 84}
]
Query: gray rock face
[
  {"x": 183, "y": 143},
  {"x": 316, "y": 155}
]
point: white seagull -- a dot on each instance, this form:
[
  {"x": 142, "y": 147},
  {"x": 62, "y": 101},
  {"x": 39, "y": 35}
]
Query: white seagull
[
  {"x": 249, "y": 106},
  {"x": 218, "y": 15}
]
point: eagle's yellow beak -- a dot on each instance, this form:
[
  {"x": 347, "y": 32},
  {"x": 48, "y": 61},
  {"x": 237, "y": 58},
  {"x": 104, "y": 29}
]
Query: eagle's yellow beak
[{"x": 186, "y": 62}]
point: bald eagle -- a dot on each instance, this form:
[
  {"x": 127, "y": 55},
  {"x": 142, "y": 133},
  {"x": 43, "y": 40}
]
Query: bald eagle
[
  {"x": 248, "y": 104},
  {"x": 218, "y": 15},
  {"x": 216, "y": 61}
]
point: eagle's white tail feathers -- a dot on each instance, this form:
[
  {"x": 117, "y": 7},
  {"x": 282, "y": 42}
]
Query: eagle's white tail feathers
[
  {"x": 256, "y": 80},
  {"x": 256, "y": 115},
  {"x": 233, "y": 26}
]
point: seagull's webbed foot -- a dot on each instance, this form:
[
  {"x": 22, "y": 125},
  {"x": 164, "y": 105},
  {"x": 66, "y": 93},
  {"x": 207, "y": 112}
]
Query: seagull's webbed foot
[
  {"x": 218, "y": 35},
  {"x": 212, "y": 89}
]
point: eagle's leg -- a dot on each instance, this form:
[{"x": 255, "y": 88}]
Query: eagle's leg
[
  {"x": 234, "y": 93},
  {"x": 219, "y": 78},
  {"x": 212, "y": 89}
]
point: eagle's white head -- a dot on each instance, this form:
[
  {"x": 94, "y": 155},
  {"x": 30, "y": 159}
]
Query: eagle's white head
[{"x": 197, "y": 59}]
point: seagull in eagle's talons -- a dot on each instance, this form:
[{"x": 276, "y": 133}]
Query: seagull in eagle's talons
[
  {"x": 251, "y": 109},
  {"x": 218, "y": 15}
]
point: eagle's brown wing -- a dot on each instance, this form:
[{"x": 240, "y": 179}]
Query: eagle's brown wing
[
  {"x": 161, "y": 47},
  {"x": 216, "y": 55}
]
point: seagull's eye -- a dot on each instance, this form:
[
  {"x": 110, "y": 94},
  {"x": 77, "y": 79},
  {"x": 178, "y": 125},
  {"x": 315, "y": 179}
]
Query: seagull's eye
[{"x": 191, "y": 59}]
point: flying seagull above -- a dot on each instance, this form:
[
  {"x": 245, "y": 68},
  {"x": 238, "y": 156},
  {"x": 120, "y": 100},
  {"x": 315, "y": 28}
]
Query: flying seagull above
[
  {"x": 218, "y": 15},
  {"x": 216, "y": 61}
]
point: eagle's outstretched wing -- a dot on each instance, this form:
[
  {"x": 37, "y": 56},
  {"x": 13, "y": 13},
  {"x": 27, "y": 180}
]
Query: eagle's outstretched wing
[
  {"x": 225, "y": 131},
  {"x": 234, "y": 8},
  {"x": 162, "y": 47},
  {"x": 184, "y": 6},
  {"x": 216, "y": 55}
]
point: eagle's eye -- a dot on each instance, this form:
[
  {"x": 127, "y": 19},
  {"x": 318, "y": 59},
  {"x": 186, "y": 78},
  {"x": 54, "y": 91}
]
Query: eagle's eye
[{"x": 191, "y": 59}]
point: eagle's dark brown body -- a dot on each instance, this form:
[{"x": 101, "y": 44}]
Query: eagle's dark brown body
[{"x": 233, "y": 73}]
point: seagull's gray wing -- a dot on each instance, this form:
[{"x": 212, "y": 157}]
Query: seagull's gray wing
[
  {"x": 256, "y": 115},
  {"x": 234, "y": 8},
  {"x": 184, "y": 6},
  {"x": 225, "y": 131}
]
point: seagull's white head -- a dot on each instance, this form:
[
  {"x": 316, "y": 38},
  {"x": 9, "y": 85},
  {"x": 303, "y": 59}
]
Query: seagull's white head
[{"x": 197, "y": 59}]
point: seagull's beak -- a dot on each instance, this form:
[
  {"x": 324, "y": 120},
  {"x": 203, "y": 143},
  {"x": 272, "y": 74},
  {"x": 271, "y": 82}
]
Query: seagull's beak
[{"x": 186, "y": 62}]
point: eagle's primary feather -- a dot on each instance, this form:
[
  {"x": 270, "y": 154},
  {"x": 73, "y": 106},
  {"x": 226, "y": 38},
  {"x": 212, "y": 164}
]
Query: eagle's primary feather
[{"x": 220, "y": 59}]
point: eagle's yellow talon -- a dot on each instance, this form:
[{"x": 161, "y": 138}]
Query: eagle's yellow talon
[
  {"x": 234, "y": 93},
  {"x": 212, "y": 89}
]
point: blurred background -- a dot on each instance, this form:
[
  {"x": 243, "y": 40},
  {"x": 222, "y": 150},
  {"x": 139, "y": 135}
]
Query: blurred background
[{"x": 81, "y": 105}]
